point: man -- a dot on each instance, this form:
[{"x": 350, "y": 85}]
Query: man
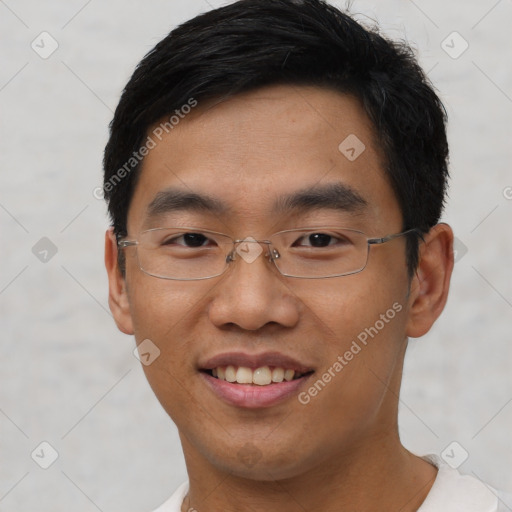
[{"x": 275, "y": 176}]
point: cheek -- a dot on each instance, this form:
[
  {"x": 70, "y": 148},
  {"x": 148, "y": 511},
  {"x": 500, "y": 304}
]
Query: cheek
[
  {"x": 160, "y": 306},
  {"x": 361, "y": 334},
  {"x": 166, "y": 312},
  {"x": 343, "y": 309}
]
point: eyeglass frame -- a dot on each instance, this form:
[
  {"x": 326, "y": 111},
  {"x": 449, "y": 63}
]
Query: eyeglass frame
[{"x": 123, "y": 243}]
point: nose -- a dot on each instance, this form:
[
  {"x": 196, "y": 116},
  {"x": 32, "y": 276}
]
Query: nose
[{"x": 252, "y": 293}]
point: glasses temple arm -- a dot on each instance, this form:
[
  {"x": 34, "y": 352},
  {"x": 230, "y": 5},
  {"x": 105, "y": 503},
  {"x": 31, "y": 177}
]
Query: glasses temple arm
[
  {"x": 127, "y": 243},
  {"x": 387, "y": 238}
]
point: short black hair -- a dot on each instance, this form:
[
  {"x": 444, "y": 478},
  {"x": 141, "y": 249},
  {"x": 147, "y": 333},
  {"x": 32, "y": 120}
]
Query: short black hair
[{"x": 250, "y": 44}]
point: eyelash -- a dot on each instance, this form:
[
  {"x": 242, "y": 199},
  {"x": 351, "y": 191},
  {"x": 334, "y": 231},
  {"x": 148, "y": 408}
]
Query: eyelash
[{"x": 306, "y": 236}]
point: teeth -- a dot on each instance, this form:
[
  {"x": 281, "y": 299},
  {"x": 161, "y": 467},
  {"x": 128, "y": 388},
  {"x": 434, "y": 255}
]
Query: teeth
[
  {"x": 277, "y": 375},
  {"x": 230, "y": 375},
  {"x": 262, "y": 376},
  {"x": 244, "y": 375},
  {"x": 288, "y": 375}
]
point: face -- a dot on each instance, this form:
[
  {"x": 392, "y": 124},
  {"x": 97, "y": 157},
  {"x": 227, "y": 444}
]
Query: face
[{"x": 344, "y": 337}]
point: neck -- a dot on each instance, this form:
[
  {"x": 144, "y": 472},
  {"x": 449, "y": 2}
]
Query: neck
[{"x": 381, "y": 476}]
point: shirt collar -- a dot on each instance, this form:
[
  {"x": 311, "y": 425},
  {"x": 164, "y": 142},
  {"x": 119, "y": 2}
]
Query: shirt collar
[{"x": 453, "y": 492}]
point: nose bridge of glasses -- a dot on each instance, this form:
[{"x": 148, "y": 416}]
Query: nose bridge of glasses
[{"x": 249, "y": 249}]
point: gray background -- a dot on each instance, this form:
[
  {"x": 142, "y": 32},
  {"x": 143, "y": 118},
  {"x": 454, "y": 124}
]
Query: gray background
[{"x": 70, "y": 378}]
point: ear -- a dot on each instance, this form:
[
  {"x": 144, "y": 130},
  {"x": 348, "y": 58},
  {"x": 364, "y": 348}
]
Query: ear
[
  {"x": 117, "y": 296},
  {"x": 430, "y": 284}
]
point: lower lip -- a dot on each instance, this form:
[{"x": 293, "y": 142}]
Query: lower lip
[{"x": 252, "y": 396}]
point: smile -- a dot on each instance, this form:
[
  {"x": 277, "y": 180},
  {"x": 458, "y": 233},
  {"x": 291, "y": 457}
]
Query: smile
[
  {"x": 254, "y": 380},
  {"x": 262, "y": 376}
]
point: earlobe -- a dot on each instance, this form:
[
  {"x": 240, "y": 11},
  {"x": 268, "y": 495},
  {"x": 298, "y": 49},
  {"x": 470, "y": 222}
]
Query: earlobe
[
  {"x": 117, "y": 295},
  {"x": 431, "y": 282}
]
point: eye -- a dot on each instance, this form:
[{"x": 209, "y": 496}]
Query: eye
[
  {"x": 319, "y": 240},
  {"x": 191, "y": 240}
]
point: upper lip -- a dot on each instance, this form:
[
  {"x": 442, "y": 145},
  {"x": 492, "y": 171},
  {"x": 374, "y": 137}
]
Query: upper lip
[{"x": 254, "y": 361}]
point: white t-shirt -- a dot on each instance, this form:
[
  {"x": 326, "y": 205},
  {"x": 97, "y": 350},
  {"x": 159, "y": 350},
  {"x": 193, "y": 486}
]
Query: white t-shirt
[{"x": 451, "y": 492}]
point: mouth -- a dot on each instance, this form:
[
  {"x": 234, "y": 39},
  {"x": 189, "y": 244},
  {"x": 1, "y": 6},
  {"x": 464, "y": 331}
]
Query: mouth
[
  {"x": 258, "y": 381},
  {"x": 262, "y": 376}
]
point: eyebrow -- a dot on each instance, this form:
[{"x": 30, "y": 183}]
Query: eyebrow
[
  {"x": 335, "y": 196},
  {"x": 171, "y": 200}
]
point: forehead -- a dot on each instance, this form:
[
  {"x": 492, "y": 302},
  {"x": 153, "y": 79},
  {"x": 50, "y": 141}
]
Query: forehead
[{"x": 249, "y": 151}]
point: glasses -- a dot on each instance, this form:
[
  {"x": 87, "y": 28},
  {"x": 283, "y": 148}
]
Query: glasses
[{"x": 188, "y": 254}]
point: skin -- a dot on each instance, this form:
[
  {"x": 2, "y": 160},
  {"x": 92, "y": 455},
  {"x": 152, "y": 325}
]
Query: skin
[{"x": 341, "y": 451}]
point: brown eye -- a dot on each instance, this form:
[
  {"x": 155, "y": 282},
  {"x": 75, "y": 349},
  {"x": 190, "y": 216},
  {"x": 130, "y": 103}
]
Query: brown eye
[
  {"x": 319, "y": 240},
  {"x": 191, "y": 240},
  {"x": 194, "y": 239}
]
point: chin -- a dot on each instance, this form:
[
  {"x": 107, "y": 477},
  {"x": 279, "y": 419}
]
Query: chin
[{"x": 259, "y": 461}]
